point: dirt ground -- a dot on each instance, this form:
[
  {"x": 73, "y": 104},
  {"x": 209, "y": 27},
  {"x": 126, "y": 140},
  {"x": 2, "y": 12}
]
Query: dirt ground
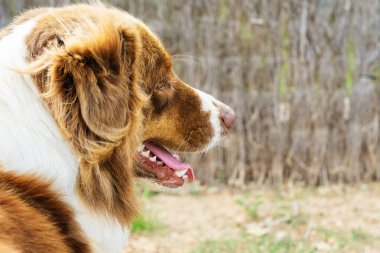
[{"x": 291, "y": 219}]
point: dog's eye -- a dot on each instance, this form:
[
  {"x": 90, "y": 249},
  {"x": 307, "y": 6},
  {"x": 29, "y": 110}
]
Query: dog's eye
[{"x": 164, "y": 86}]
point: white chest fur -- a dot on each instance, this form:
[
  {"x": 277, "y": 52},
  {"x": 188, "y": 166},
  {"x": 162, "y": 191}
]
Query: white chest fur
[{"x": 30, "y": 140}]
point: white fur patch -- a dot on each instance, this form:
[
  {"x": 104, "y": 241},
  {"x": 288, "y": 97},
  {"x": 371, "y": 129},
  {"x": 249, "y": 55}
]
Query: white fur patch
[
  {"x": 209, "y": 105},
  {"x": 30, "y": 141},
  {"x": 106, "y": 235}
]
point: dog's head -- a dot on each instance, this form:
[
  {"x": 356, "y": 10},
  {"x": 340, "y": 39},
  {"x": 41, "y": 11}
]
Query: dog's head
[
  {"x": 177, "y": 117},
  {"x": 110, "y": 85}
]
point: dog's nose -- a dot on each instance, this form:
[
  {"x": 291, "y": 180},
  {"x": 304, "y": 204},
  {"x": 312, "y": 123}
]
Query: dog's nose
[{"x": 227, "y": 115}]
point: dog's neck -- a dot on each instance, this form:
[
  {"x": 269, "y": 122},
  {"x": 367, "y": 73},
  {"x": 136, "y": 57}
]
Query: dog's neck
[{"x": 30, "y": 141}]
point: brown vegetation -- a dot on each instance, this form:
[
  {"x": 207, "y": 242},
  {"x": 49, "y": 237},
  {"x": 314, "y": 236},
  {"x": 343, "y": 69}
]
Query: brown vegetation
[{"x": 301, "y": 75}]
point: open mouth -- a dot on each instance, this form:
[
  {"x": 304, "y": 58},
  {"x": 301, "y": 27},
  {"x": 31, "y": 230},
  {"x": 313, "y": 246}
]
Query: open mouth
[{"x": 165, "y": 168}]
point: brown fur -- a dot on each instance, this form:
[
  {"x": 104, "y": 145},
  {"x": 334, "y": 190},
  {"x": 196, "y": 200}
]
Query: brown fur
[
  {"x": 34, "y": 219},
  {"x": 173, "y": 116},
  {"x": 91, "y": 89},
  {"x": 89, "y": 81}
]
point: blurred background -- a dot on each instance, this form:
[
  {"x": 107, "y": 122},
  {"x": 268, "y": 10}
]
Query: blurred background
[{"x": 303, "y": 77}]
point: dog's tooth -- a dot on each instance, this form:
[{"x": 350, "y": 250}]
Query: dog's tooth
[
  {"x": 160, "y": 163},
  {"x": 146, "y": 153},
  {"x": 184, "y": 177},
  {"x": 153, "y": 159},
  {"x": 180, "y": 173}
]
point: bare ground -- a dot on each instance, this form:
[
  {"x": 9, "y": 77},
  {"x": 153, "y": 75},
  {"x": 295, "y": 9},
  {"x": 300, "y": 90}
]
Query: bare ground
[{"x": 326, "y": 219}]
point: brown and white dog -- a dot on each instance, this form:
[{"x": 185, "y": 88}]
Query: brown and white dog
[{"x": 88, "y": 102}]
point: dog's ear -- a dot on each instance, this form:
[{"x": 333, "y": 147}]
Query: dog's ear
[
  {"x": 94, "y": 96},
  {"x": 98, "y": 70}
]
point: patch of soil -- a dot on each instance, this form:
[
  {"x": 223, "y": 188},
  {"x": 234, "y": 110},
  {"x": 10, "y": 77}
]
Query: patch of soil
[{"x": 215, "y": 214}]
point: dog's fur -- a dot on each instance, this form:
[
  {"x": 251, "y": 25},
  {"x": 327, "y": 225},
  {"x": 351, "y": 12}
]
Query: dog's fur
[
  {"x": 80, "y": 88},
  {"x": 33, "y": 218}
]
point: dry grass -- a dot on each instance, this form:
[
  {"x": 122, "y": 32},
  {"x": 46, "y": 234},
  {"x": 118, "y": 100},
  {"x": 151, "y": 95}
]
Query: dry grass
[
  {"x": 302, "y": 75},
  {"x": 289, "y": 219}
]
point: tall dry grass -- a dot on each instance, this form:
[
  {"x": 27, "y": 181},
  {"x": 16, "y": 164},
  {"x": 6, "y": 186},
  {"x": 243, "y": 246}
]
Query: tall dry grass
[{"x": 303, "y": 77}]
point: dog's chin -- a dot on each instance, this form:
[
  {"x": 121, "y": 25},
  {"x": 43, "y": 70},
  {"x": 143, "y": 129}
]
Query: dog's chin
[{"x": 157, "y": 187}]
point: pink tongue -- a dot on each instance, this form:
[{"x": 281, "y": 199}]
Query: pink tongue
[{"x": 169, "y": 159}]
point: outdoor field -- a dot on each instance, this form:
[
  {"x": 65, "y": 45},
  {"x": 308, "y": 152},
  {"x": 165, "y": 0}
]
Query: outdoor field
[
  {"x": 289, "y": 219},
  {"x": 300, "y": 170}
]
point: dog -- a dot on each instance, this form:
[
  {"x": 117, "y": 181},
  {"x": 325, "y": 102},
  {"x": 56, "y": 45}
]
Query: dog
[{"x": 89, "y": 102}]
